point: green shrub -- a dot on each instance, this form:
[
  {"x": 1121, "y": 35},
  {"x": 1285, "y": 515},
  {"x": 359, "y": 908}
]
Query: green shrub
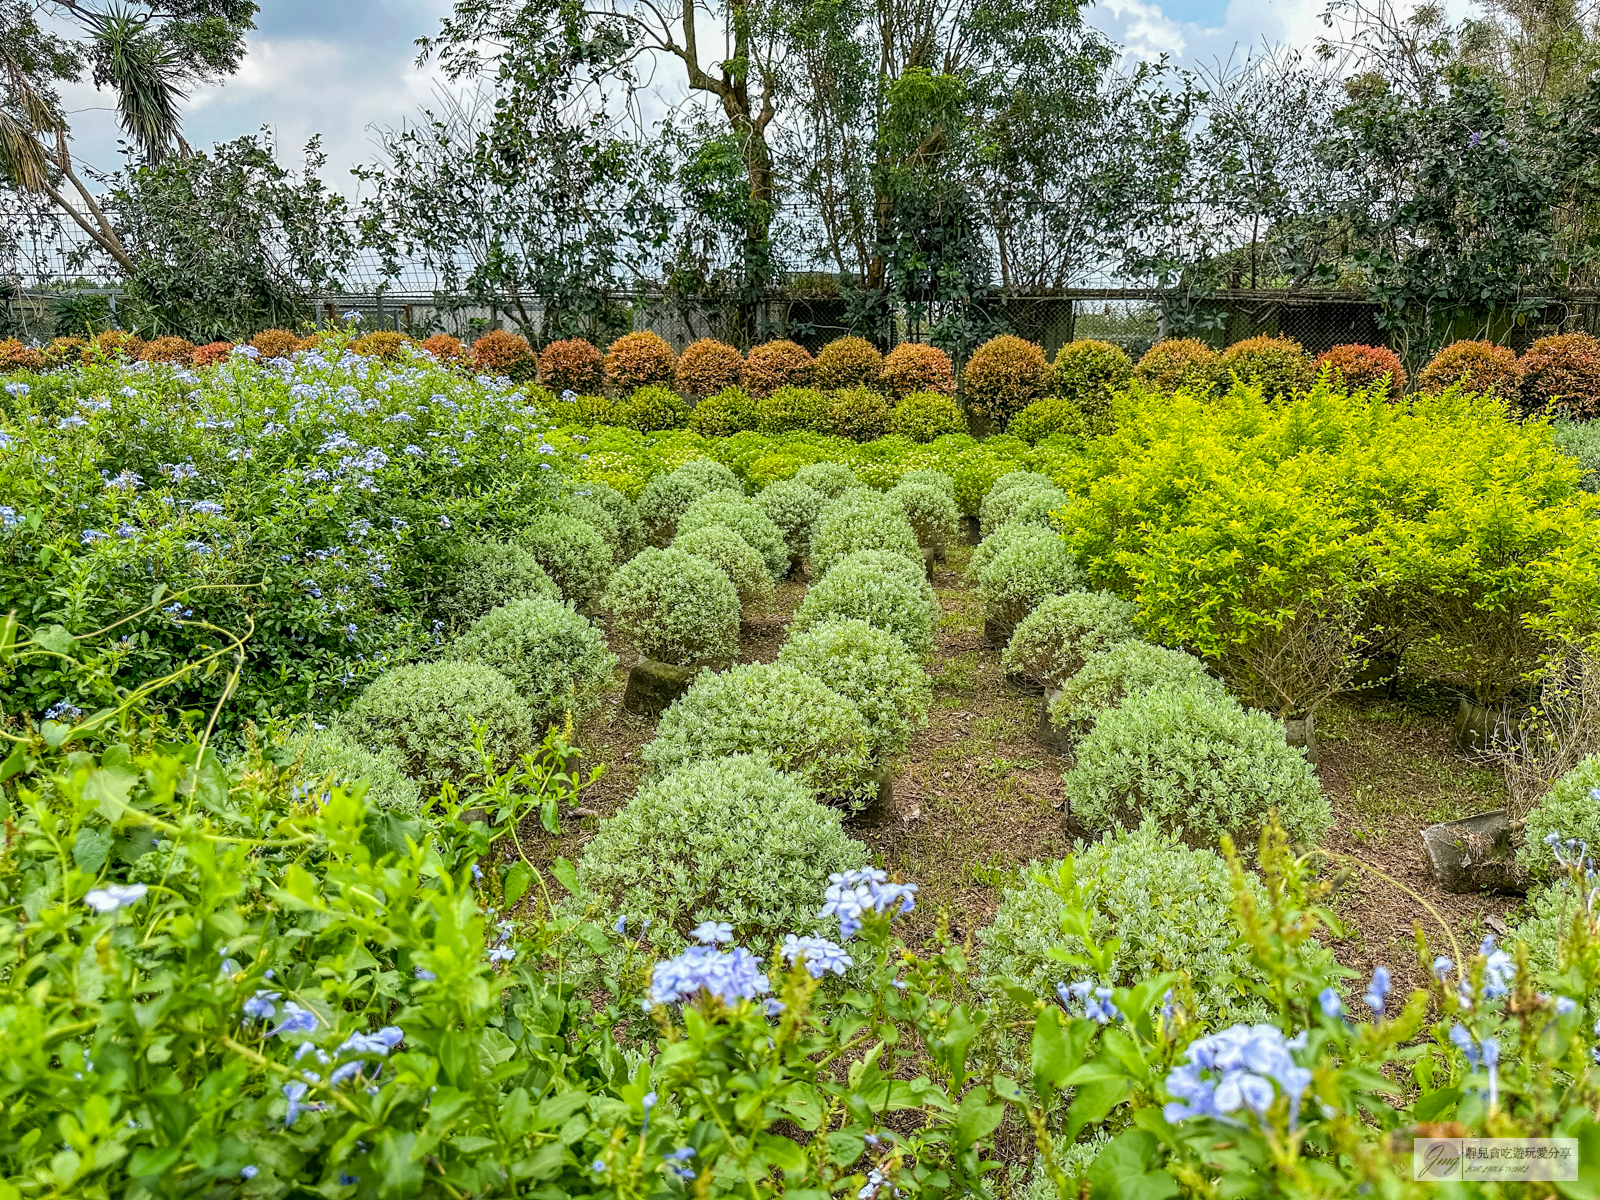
[
  {"x": 555, "y": 658},
  {"x": 1548, "y": 915},
  {"x": 975, "y": 471},
  {"x": 1568, "y": 810},
  {"x": 1277, "y": 365},
  {"x": 728, "y": 840},
  {"x": 332, "y": 756},
  {"x": 1000, "y": 539},
  {"x": 597, "y": 517},
  {"x": 832, "y": 479},
  {"x": 874, "y": 671},
  {"x": 860, "y": 521},
  {"x": 572, "y": 552},
  {"x": 931, "y": 509},
  {"x": 848, "y": 362},
  {"x": 793, "y": 508},
  {"x": 1197, "y": 765},
  {"x": 1003, "y": 377},
  {"x": 798, "y": 724},
  {"x": 928, "y": 475},
  {"x": 1024, "y": 571},
  {"x": 724, "y": 413},
  {"x": 1051, "y": 643},
  {"x": 1030, "y": 505},
  {"x": 1110, "y": 676},
  {"x": 735, "y": 558},
  {"x": 653, "y": 407},
  {"x": 427, "y": 712},
  {"x": 1181, "y": 364},
  {"x": 868, "y": 587},
  {"x": 745, "y": 519},
  {"x": 675, "y": 607},
  {"x": 858, "y": 413},
  {"x": 630, "y": 530},
  {"x": 1049, "y": 417},
  {"x": 1086, "y": 372},
  {"x": 1581, "y": 439},
  {"x": 792, "y": 408},
  {"x": 1005, "y": 484},
  {"x": 923, "y": 416},
  {"x": 665, "y": 497},
  {"x": 1167, "y": 906},
  {"x": 486, "y": 574}
]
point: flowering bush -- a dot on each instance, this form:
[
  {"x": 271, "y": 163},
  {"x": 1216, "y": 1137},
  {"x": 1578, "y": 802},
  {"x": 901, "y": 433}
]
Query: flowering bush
[
  {"x": 858, "y": 413},
  {"x": 1023, "y": 572},
  {"x": 1052, "y": 642},
  {"x": 385, "y": 344},
  {"x": 886, "y": 590},
  {"x": 793, "y": 508},
  {"x": 707, "y": 367},
  {"x": 744, "y": 518},
  {"x": 1476, "y": 366},
  {"x": 1109, "y": 676},
  {"x": 486, "y": 575},
  {"x": 1003, "y": 377},
  {"x": 924, "y": 416},
  {"x": 930, "y": 508},
  {"x": 572, "y": 552},
  {"x": 860, "y": 521},
  {"x": 1180, "y": 364},
  {"x": 735, "y": 558},
  {"x": 499, "y": 352},
  {"x": 777, "y": 714},
  {"x": 675, "y": 607},
  {"x": 848, "y": 362},
  {"x": 276, "y": 343},
  {"x": 168, "y": 350},
  {"x": 665, "y": 497},
  {"x": 774, "y": 365},
  {"x": 1087, "y": 371},
  {"x": 570, "y": 365},
  {"x": 1277, "y": 365},
  {"x": 445, "y": 347},
  {"x": 874, "y": 671},
  {"x": 1356, "y": 367},
  {"x": 640, "y": 359},
  {"x": 832, "y": 479},
  {"x": 651, "y": 408},
  {"x": 1562, "y": 371},
  {"x": 724, "y": 412},
  {"x": 791, "y": 407},
  {"x": 913, "y": 367},
  {"x": 557, "y": 660}
]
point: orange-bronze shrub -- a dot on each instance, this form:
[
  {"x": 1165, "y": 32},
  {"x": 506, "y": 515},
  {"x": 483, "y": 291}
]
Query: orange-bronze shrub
[
  {"x": 707, "y": 366},
  {"x": 640, "y": 359},
  {"x": 445, "y": 347},
  {"x": 1476, "y": 366},
  {"x": 1562, "y": 372},
  {"x": 571, "y": 365},
  {"x": 849, "y": 362},
  {"x": 1180, "y": 364},
  {"x": 913, "y": 367},
  {"x": 212, "y": 352},
  {"x": 15, "y": 356},
  {"x": 384, "y": 343},
  {"x": 773, "y": 365},
  {"x": 500, "y": 352},
  {"x": 276, "y": 343},
  {"x": 114, "y": 343},
  {"x": 169, "y": 350},
  {"x": 1277, "y": 365},
  {"x": 1358, "y": 367},
  {"x": 1004, "y": 376}
]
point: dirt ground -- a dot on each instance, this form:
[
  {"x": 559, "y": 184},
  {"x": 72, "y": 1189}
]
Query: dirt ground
[{"x": 977, "y": 799}]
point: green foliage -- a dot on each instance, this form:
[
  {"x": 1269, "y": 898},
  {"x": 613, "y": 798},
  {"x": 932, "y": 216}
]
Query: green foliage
[
  {"x": 1110, "y": 676},
  {"x": 744, "y": 518},
  {"x": 1180, "y": 364},
  {"x": 1003, "y": 377},
  {"x": 930, "y": 508},
  {"x": 1581, "y": 440},
  {"x": 724, "y": 413},
  {"x": 487, "y": 574},
  {"x": 1196, "y": 765},
  {"x": 858, "y": 413},
  {"x": 832, "y": 479},
  {"x": 598, "y": 517},
  {"x": 924, "y": 416},
  {"x": 1051, "y": 417},
  {"x": 432, "y": 713},
  {"x": 792, "y": 408},
  {"x": 572, "y": 552},
  {"x": 776, "y": 713},
  {"x": 793, "y": 507},
  {"x": 1052, "y": 642},
  {"x": 883, "y": 588},
  {"x": 555, "y": 658},
  {"x": 675, "y": 607},
  {"x": 629, "y": 529},
  {"x": 1276, "y": 365},
  {"x": 874, "y": 671},
  {"x": 329, "y": 757},
  {"x": 1024, "y": 571},
  {"x": 861, "y": 520},
  {"x": 735, "y": 558},
  {"x": 728, "y": 840},
  {"x": 1029, "y": 503},
  {"x": 653, "y": 407},
  {"x": 666, "y": 496},
  {"x": 1086, "y": 372},
  {"x": 1567, "y": 811}
]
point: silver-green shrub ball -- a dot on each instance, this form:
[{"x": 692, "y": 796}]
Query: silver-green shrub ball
[
  {"x": 1025, "y": 506},
  {"x": 489, "y": 573},
  {"x": 729, "y": 839},
  {"x": 1196, "y": 764},
  {"x": 869, "y": 587},
  {"x": 630, "y": 531},
  {"x": 931, "y": 510},
  {"x": 1109, "y": 677},
  {"x": 1012, "y": 479},
  {"x": 793, "y": 508},
  {"x": 1568, "y": 811},
  {"x": 928, "y": 475},
  {"x": 572, "y": 552},
  {"x": 832, "y": 479},
  {"x": 861, "y": 520},
  {"x": 557, "y": 660},
  {"x": 794, "y": 722},
  {"x": 427, "y": 713},
  {"x": 874, "y": 671},
  {"x": 1024, "y": 572},
  {"x": 665, "y": 497},
  {"x": 675, "y": 607},
  {"x": 735, "y": 558},
  {"x": 1052, "y": 642},
  {"x": 595, "y": 515},
  {"x": 745, "y": 519},
  {"x": 332, "y": 756}
]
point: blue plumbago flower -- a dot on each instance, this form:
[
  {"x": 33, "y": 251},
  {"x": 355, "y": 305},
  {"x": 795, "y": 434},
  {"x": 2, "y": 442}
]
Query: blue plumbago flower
[
  {"x": 306, "y": 1048},
  {"x": 63, "y": 708},
  {"x": 352, "y": 317},
  {"x": 206, "y": 508},
  {"x": 8, "y": 517},
  {"x": 500, "y": 954},
  {"x": 249, "y": 1172},
  {"x": 852, "y": 893},
  {"x": 295, "y": 1093},
  {"x": 1499, "y": 973},
  {"x": 127, "y": 530},
  {"x": 71, "y": 422},
  {"x": 117, "y": 895},
  {"x": 1462, "y": 1041},
  {"x": 1442, "y": 966},
  {"x": 621, "y": 926},
  {"x": 345, "y": 1073},
  {"x": 379, "y": 1043},
  {"x": 17, "y": 389},
  {"x": 261, "y": 1006},
  {"x": 1377, "y": 990},
  {"x": 347, "y": 1180},
  {"x": 423, "y": 974},
  {"x": 821, "y": 955},
  {"x": 1491, "y": 1060},
  {"x": 682, "y": 1154},
  {"x": 709, "y": 933},
  {"x": 1332, "y": 1006},
  {"x": 1251, "y": 1064},
  {"x": 124, "y": 481},
  {"x": 875, "y": 1181},
  {"x": 1096, "y": 1000},
  {"x": 729, "y": 975},
  {"x": 598, "y": 1166},
  {"x": 128, "y": 392},
  {"x": 295, "y": 1020},
  {"x": 90, "y": 536}
]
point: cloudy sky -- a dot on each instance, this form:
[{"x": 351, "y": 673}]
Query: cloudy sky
[{"x": 341, "y": 67}]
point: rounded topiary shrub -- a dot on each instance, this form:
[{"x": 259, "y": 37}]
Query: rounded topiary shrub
[
  {"x": 572, "y": 552},
  {"x": 1051, "y": 643},
  {"x": 1029, "y": 505},
  {"x": 596, "y": 515},
  {"x": 789, "y": 409},
  {"x": 914, "y": 367},
  {"x": 640, "y": 359},
  {"x": 848, "y": 362},
  {"x": 572, "y": 365},
  {"x": 675, "y": 607},
  {"x": 427, "y": 713},
  {"x": 1562, "y": 371},
  {"x": 332, "y": 756},
  {"x": 385, "y": 344},
  {"x": 730, "y": 840},
  {"x": 873, "y": 670},
  {"x": 1359, "y": 367},
  {"x": 707, "y": 367},
  {"x": 556, "y": 659},
  {"x": 445, "y": 347},
  {"x": 794, "y": 508},
  {"x": 930, "y": 509},
  {"x": 1567, "y": 811},
  {"x": 164, "y": 350},
  {"x": 864, "y": 521},
  {"x": 997, "y": 541},
  {"x": 773, "y": 365},
  {"x": 724, "y": 413},
  {"x": 500, "y": 353},
  {"x": 1180, "y": 365},
  {"x": 1192, "y": 762},
  {"x": 1031, "y": 566},
  {"x": 651, "y": 408},
  {"x": 1003, "y": 377},
  {"x": 832, "y": 479},
  {"x": 487, "y": 574},
  {"x": 923, "y": 416},
  {"x": 630, "y": 530},
  {"x": 796, "y": 723},
  {"x": 1110, "y": 676},
  {"x": 274, "y": 343},
  {"x": 879, "y": 589},
  {"x": 666, "y": 497},
  {"x": 1169, "y": 908},
  {"x": 999, "y": 498},
  {"x": 933, "y": 478},
  {"x": 858, "y": 413},
  {"x": 735, "y": 558},
  {"x": 14, "y": 356},
  {"x": 1087, "y": 372},
  {"x": 1277, "y": 365},
  {"x": 745, "y": 519},
  {"x": 1048, "y": 417},
  {"x": 1476, "y": 367}
]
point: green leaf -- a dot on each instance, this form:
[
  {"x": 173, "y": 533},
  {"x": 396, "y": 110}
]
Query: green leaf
[
  {"x": 781, "y": 1152},
  {"x": 976, "y": 1117},
  {"x": 518, "y": 876},
  {"x": 55, "y": 639},
  {"x": 91, "y": 848},
  {"x": 1092, "y": 1102},
  {"x": 566, "y": 874},
  {"x": 1433, "y": 1105},
  {"x": 385, "y": 833},
  {"x": 1122, "y": 1170},
  {"x": 846, "y": 1145}
]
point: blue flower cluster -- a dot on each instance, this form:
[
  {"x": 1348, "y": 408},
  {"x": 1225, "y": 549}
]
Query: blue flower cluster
[
  {"x": 852, "y": 894},
  {"x": 1241, "y": 1069}
]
